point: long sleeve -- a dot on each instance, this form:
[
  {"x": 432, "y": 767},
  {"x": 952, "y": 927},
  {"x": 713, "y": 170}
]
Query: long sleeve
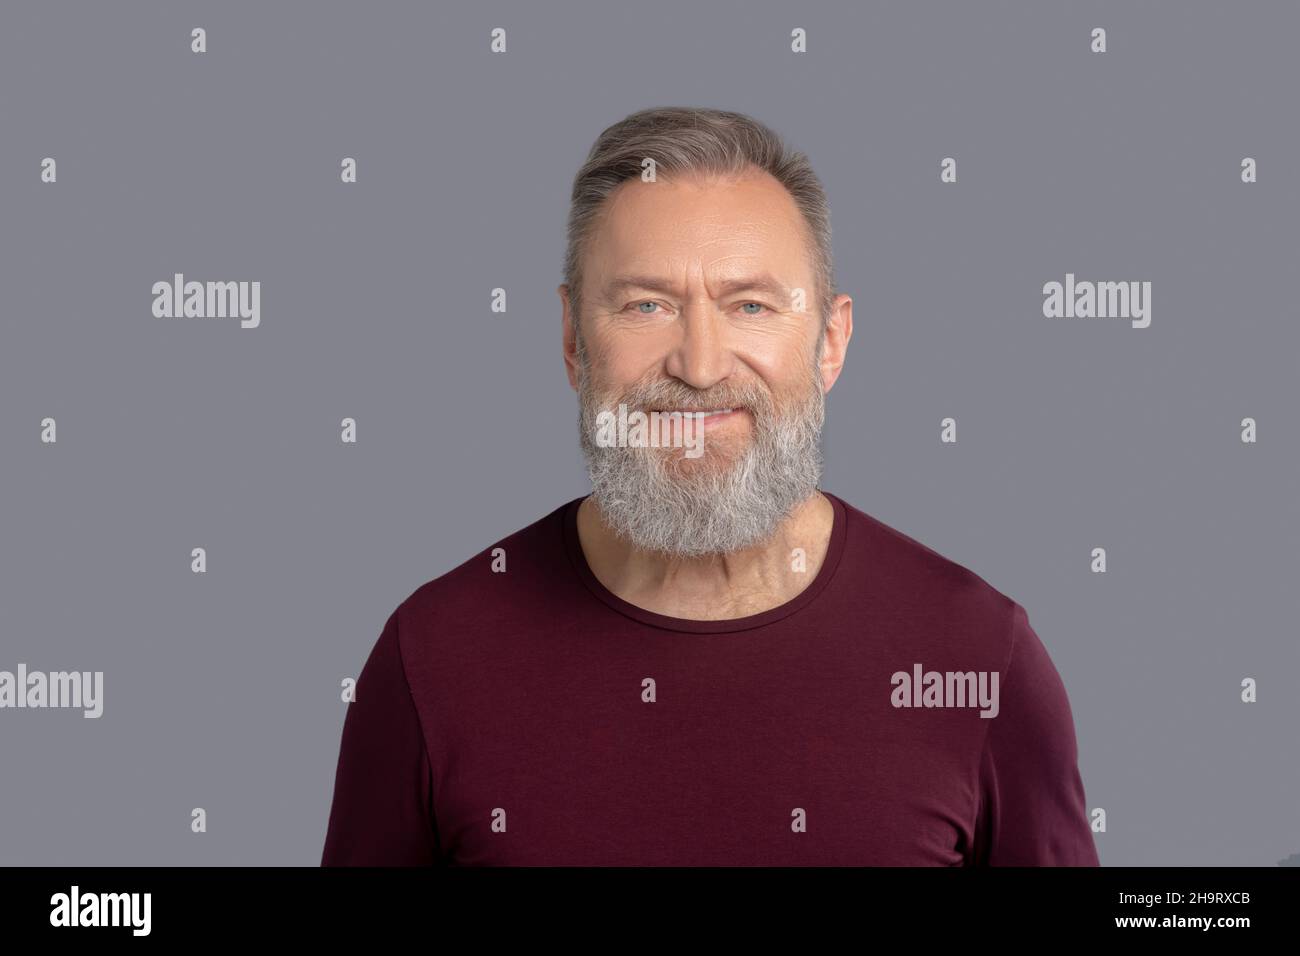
[
  {"x": 1032, "y": 806},
  {"x": 382, "y": 808}
]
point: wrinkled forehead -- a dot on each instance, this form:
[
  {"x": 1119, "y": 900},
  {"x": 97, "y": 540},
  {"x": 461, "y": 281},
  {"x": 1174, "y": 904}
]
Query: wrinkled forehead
[{"x": 691, "y": 230}]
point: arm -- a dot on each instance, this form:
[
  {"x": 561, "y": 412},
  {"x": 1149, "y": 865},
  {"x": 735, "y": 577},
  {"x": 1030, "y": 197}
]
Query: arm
[
  {"x": 1032, "y": 806},
  {"x": 382, "y": 813}
]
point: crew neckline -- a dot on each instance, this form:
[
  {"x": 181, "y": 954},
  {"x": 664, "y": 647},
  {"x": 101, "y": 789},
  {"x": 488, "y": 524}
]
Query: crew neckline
[{"x": 834, "y": 550}]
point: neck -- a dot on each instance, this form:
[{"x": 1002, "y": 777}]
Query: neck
[{"x": 713, "y": 587}]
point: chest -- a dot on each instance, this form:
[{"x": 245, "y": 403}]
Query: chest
[{"x": 692, "y": 768}]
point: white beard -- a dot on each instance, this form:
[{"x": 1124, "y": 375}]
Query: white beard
[{"x": 658, "y": 502}]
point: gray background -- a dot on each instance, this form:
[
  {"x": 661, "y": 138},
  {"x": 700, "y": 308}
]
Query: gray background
[{"x": 222, "y": 689}]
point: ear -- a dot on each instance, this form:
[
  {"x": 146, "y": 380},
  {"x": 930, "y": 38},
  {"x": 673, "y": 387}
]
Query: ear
[
  {"x": 570, "y": 342},
  {"x": 838, "y": 332}
]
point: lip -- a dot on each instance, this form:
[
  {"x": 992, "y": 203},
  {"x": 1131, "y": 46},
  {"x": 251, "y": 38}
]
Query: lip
[{"x": 708, "y": 421}]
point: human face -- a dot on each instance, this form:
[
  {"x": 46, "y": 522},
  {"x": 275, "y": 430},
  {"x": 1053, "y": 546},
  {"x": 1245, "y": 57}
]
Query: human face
[
  {"x": 706, "y": 286},
  {"x": 700, "y": 297}
]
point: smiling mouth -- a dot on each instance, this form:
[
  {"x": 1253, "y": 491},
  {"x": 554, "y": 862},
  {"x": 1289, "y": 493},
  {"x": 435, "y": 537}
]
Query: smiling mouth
[{"x": 703, "y": 412}]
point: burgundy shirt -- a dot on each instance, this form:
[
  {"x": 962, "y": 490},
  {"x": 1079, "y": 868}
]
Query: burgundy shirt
[{"x": 508, "y": 718}]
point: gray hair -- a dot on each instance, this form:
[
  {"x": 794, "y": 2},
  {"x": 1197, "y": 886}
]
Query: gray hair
[{"x": 689, "y": 140}]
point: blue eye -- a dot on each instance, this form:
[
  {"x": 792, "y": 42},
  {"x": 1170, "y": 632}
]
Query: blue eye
[{"x": 648, "y": 306}]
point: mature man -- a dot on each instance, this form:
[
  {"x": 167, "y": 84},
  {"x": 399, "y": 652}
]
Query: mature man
[{"x": 708, "y": 660}]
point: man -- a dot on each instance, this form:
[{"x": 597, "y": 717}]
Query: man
[{"x": 708, "y": 660}]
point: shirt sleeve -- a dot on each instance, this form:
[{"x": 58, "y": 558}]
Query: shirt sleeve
[
  {"x": 382, "y": 811},
  {"x": 1032, "y": 806}
]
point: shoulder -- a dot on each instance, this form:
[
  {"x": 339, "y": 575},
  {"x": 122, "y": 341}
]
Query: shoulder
[
  {"x": 943, "y": 597},
  {"x": 487, "y": 588}
]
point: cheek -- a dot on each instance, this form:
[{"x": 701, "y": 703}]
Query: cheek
[
  {"x": 782, "y": 373},
  {"x": 776, "y": 349},
  {"x": 626, "y": 371}
]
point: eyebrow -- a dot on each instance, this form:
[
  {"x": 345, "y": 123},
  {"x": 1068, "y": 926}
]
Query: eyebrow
[{"x": 758, "y": 283}]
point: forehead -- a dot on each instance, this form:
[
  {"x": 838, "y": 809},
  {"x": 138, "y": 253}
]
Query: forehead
[{"x": 721, "y": 226}]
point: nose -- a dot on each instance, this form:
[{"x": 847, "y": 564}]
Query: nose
[{"x": 701, "y": 355}]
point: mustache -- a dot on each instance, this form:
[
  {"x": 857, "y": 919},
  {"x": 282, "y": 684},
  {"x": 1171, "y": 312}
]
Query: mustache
[{"x": 668, "y": 397}]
